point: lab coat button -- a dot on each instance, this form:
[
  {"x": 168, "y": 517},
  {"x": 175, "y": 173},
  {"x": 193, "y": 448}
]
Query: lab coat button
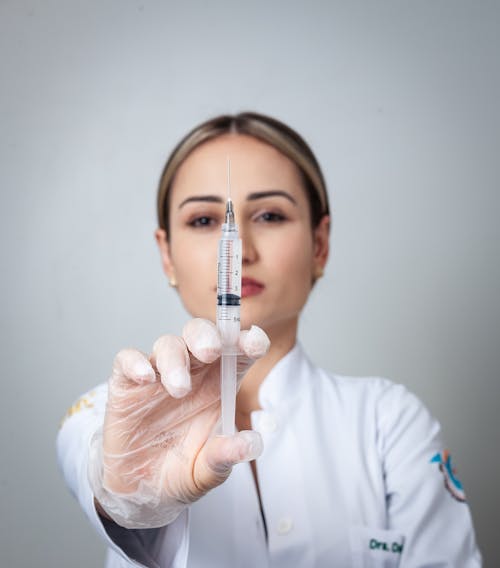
[
  {"x": 285, "y": 525},
  {"x": 268, "y": 424}
]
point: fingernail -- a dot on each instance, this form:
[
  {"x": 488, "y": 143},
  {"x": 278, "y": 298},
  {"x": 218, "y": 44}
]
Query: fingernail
[
  {"x": 209, "y": 343},
  {"x": 253, "y": 444},
  {"x": 178, "y": 382},
  {"x": 144, "y": 371},
  {"x": 256, "y": 342},
  {"x": 203, "y": 340},
  {"x": 208, "y": 350}
]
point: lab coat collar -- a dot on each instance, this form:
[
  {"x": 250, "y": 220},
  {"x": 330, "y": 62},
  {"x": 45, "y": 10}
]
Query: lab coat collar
[{"x": 285, "y": 380}]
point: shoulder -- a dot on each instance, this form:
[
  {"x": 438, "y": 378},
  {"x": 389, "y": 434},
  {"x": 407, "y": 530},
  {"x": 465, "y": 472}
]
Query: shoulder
[
  {"x": 90, "y": 404},
  {"x": 82, "y": 419},
  {"x": 391, "y": 408},
  {"x": 370, "y": 390}
]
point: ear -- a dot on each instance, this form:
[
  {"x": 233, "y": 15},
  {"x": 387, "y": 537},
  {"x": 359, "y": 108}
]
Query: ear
[
  {"x": 164, "y": 248},
  {"x": 321, "y": 237}
]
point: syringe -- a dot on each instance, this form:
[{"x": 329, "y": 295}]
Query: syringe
[{"x": 228, "y": 314}]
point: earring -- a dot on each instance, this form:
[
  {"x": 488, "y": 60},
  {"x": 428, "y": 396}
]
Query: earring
[
  {"x": 173, "y": 282},
  {"x": 318, "y": 272}
]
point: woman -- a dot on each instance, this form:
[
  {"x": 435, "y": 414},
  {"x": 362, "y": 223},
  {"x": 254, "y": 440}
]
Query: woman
[{"x": 343, "y": 471}]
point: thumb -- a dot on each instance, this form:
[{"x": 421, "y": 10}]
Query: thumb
[
  {"x": 254, "y": 344},
  {"x": 220, "y": 453}
]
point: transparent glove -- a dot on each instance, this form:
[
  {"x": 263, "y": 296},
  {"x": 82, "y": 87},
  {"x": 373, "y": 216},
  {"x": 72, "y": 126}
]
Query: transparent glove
[{"x": 157, "y": 451}]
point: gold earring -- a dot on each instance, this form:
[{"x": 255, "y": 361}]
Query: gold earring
[
  {"x": 172, "y": 281},
  {"x": 318, "y": 272}
]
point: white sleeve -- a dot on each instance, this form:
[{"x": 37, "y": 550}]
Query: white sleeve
[
  {"x": 150, "y": 548},
  {"x": 423, "y": 503}
]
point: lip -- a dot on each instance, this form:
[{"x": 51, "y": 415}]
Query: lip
[{"x": 250, "y": 287}]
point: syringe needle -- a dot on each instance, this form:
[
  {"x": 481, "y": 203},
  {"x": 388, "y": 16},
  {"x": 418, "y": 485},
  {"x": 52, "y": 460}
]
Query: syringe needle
[{"x": 229, "y": 203}]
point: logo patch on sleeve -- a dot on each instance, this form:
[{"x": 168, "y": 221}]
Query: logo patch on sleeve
[
  {"x": 451, "y": 481},
  {"x": 80, "y": 404}
]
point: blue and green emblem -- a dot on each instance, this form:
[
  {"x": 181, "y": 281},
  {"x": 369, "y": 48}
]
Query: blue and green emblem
[{"x": 451, "y": 481}]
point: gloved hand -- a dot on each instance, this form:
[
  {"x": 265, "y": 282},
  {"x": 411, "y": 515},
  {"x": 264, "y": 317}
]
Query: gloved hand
[{"x": 157, "y": 451}]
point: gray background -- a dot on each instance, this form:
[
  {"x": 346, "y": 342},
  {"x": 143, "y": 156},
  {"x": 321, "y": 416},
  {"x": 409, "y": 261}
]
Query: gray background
[{"x": 400, "y": 102}]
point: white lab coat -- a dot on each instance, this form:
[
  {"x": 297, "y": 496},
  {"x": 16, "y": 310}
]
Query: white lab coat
[{"x": 346, "y": 479}]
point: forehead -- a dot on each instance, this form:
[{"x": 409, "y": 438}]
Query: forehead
[{"x": 255, "y": 165}]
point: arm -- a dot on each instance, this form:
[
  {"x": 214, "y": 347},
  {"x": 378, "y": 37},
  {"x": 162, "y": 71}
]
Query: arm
[
  {"x": 140, "y": 547},
  {"x": 437, "y": 525},
  {"x": 144, "y": 447}
]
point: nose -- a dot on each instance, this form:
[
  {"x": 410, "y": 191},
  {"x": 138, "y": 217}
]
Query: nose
[{"x": 249, "y": 250}]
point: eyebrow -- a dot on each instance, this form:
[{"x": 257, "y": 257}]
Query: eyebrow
[
  {"x": 210, "y": 198},
  {"x": 250, "y": 197}
]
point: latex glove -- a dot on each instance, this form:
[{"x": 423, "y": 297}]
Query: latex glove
[{"x": 157, "y": 451}]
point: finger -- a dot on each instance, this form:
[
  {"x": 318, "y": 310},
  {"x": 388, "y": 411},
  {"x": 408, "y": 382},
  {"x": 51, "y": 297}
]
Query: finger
[
  {"x": 221, "y": 453},
  {"x": 171, "y": 358},
  {"x": 202, "y": 339},
  {"x": 254, "y": 342},
  {"x": 130, "y": 366},
  {"x": 132, "y": 374}
]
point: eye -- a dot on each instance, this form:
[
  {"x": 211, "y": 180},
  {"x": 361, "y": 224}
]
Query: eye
[
  {"x": 270, "y": 217},
  {"x": 202, "y": 221}
]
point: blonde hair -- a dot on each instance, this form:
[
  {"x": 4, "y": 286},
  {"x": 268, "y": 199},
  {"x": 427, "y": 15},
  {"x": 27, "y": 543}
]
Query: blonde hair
[{"x": 261, "y": 127}]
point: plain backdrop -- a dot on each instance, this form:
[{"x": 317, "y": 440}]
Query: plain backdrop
[{"x": 400, "y": 102}]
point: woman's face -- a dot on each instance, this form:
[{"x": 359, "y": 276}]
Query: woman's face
[{"x": 281, "y": 253}]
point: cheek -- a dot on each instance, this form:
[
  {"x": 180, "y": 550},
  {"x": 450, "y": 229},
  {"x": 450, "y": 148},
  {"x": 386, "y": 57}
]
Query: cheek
[
  {"x": 292, "y": 257},
  {"x": 292, "y": 249},
  {"x": 195, "y": 267},
  {"x": 196, "y": 273},
  {"x": 194, "y": 258}
]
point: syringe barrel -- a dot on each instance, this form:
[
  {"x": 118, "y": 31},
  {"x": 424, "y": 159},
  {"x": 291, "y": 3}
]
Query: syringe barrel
[
  {"x": 229, "y": 287},
  {"x": 228, "y": 317}
]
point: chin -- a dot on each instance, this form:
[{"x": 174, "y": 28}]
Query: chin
[
  {"x": 265, "y": 323},
  {"x": 251, "y": 317}
]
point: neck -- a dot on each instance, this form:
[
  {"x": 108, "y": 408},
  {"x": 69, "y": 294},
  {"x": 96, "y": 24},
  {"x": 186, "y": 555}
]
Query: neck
[{"x": 283, "y": 337}]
